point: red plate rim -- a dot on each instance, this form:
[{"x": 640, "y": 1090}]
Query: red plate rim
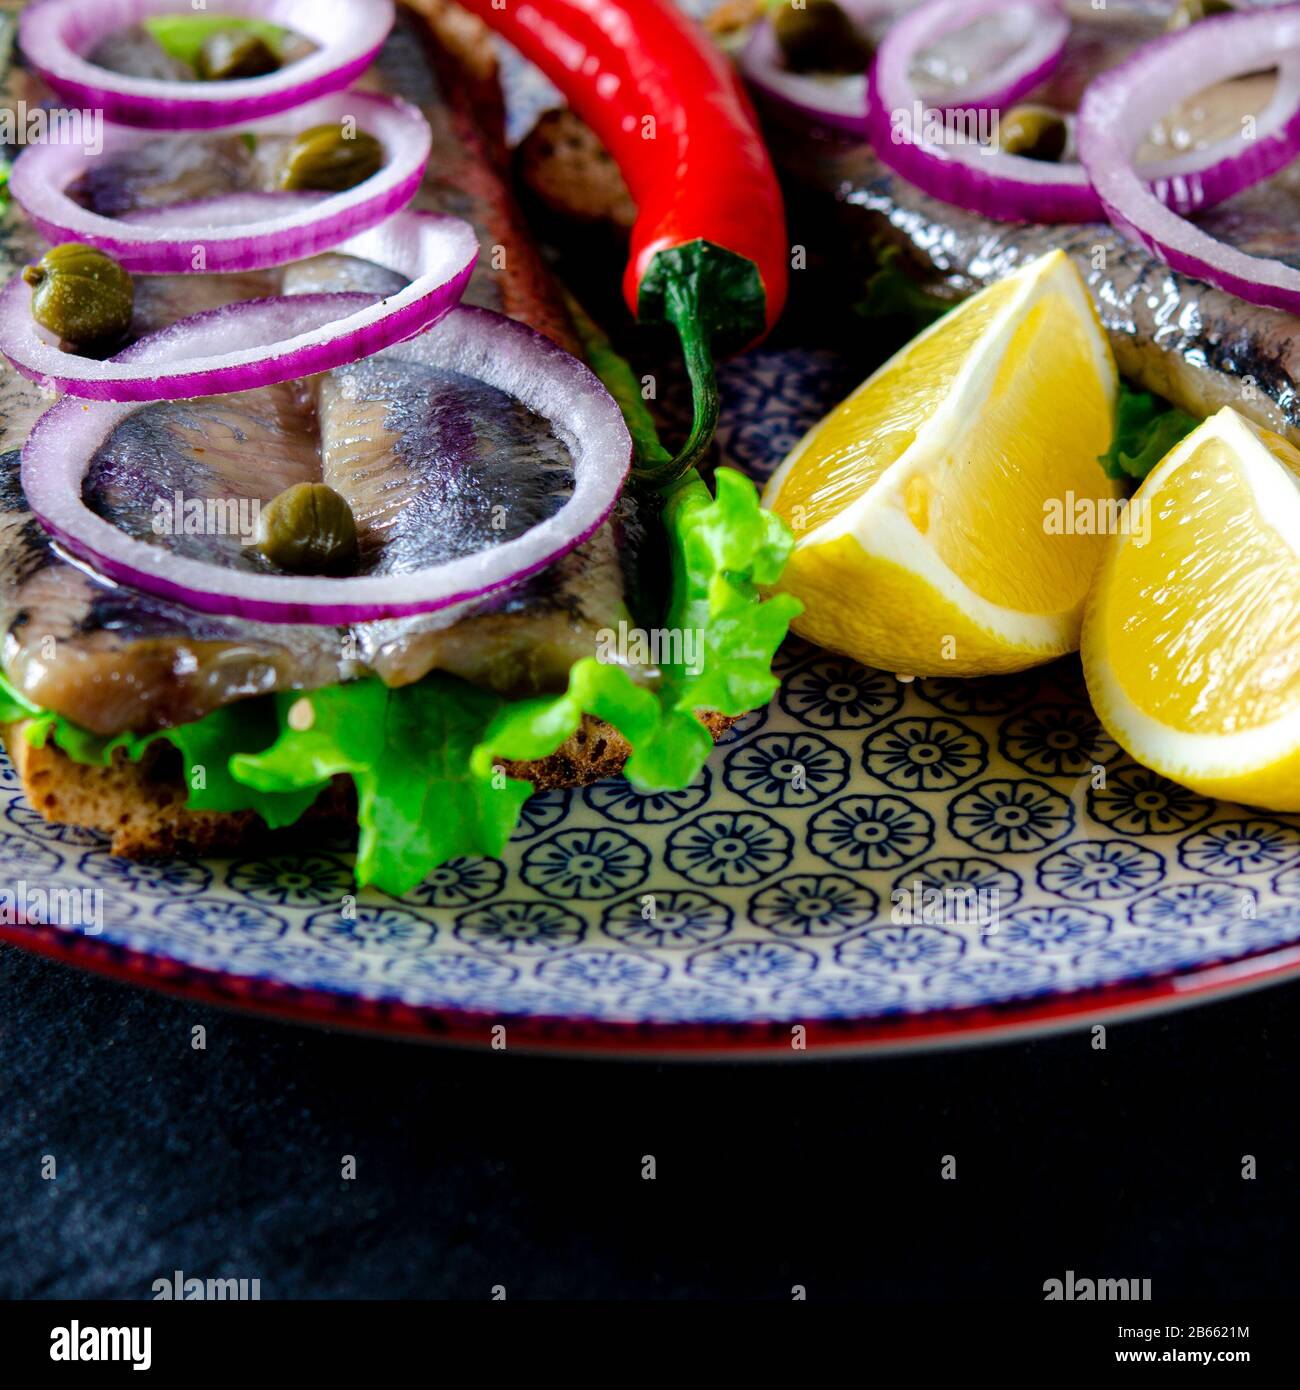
[{"x": 760, "y": 1039}]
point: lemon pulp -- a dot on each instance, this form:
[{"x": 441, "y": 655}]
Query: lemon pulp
[{"x": 920, "y": 505}]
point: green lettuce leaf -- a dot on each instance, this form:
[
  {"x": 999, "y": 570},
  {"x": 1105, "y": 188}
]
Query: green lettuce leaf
[
  {"x": 421, "y": 798},
  {"x": 14, "y": 706},
  {"x": 893, "y": 296},
  {"x": 209, "y": 746},
  {"x": 1146, "y": 428}
]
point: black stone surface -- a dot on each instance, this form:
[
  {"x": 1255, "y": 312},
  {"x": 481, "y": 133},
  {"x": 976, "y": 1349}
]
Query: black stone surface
[{"x": 482, "y": 1169}]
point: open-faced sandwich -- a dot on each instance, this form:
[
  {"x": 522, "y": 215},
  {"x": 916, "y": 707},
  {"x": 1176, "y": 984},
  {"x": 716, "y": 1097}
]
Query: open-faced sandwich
[
  {"x": 310, "y": 509},
  {"x": 332, "y": 522}
]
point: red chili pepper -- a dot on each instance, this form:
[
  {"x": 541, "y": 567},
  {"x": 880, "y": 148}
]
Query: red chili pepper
[{"x": 709, "y": 252}]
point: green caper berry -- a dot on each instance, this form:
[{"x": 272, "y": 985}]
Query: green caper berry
[
  {"x": 232, "y": 53},
  {"x": 1193, "y": 11},
  {"x": 1033, "y": 132},
  {"x": 326, "y": 160},
  {"x": 819, "y": 37},
  {"x": 81, "y": 294},
  {"x": 309, "y": 529}
]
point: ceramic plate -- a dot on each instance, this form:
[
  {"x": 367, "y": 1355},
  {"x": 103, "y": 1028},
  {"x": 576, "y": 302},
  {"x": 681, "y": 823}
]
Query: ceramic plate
[
  {"x": 866, "y": 864},
  {"x": 885, "y": 863}
]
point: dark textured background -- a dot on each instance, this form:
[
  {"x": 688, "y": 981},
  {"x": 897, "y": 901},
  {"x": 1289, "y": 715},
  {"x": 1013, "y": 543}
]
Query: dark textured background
[{"x": 481, "y": 1169}]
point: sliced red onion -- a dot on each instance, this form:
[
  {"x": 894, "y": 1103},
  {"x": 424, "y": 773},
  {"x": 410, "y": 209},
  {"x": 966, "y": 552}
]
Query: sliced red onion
[
  {"x": 957, "y": 167},
  {"x": 1201, "y": 178},
  {"x": 55, "y": 34},
  {"x": 1121, "y": 105},
  {"x": 1037, "y": 41},
  {"x": 475, "y": 342},
  {"x": 436, "y": 253},
  {"x": 1010, "y": 187},
  {"x": 237, "y": 232},
  {"x": 838, "y": 103}
]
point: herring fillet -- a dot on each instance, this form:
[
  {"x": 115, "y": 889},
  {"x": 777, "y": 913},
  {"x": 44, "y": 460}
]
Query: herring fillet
[
  {"x": 1197, "y": 346},
  {"x": 530, "y": 637},
  {"x": 107, "y": 658},
  {"x": 111, "y": 659}
]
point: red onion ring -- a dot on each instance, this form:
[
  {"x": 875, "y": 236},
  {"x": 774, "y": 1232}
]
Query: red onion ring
[
  {"x": 1009, "y": 187},
  {"x": 274, "y": 228},
  {"x": 475, "y": 342},
  {"x": 1164, "y": 73},
  {"x": 436, "y": 253},
  {"x": 971, "y": 175},
  {"x": 56, "y": 33},
  {"x": 840, "y": 103}
]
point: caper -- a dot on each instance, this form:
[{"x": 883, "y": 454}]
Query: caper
[
  {"x": 1033, "y": 132},
  {"x": 1193, "y": 11},
  {"x": 309, "y": 529},
  {"x": 325, "y": 159},
  {"x": 81, "y": 294},
  {"x": 817, "y": 36},
  {"x": 231, "y": 53}
]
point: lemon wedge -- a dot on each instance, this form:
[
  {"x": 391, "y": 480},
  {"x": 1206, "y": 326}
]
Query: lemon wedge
[
  {"x": 1191, "y": 643},
  {"x": 941, "y": 513}
]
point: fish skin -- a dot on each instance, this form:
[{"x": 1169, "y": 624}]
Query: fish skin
[
  {"x": 434, "y": 465},
  {"x": 1197, "y": 346},
  {"x": 529, "y": 638},
  {"x": 166, "y": 169},
  {"x": 111, "y": 659}
]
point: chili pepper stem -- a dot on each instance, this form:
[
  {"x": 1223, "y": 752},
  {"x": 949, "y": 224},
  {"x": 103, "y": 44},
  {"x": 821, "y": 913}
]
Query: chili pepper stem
[{"x": 682, "y": 309}]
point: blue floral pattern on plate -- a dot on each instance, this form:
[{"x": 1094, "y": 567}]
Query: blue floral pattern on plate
[
  {"x": 925, "y": 754},
  {"x": 787, "y": 770},
  {"x": 769, "y": 889},
  {"x": 730, "y": 848},
  {"x": 668, "y": 921},
  {"x": 619, "y": 800},
  {"x": 814, "y": 905}
]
